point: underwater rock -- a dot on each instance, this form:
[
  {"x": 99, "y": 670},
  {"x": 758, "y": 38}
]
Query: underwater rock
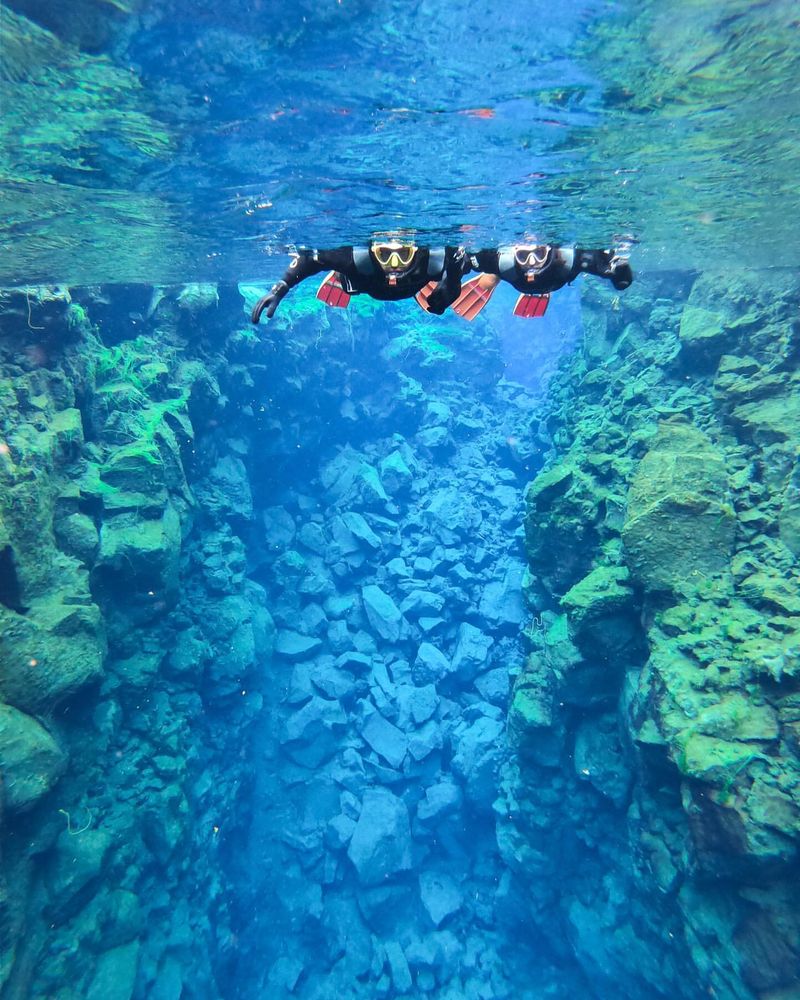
[
  {"x": 775, "y": 419},
  {"x": 313, "y": 537},
  {"x": 602, "y": 612},
  {"x": 417, "y": 703},
  {"x": 679, "y": 525},
  {"x": 381, "y": 843},
  {"x": 472, "y": 652},
  {"x": 383, "y": 614},
  {"x": 478, "y": 751},
  {"x": 225, "y": 493},
  {"x": 77, "y": 535},
  {"x": 501, "y": 602},
  {"x": 385, "y": 739},
  {"x": 135, "y": 468},
  {"x": 314, "y": 720},
  {"x": 424, "y": 741},
  {"x": 279, "y": 528},
  {"x": 601, "y": 759},
  {"x": 440, "y": 895},
  {"x": 349, "y": 479},
  {"x": 711, "y": 324},
  {"x": 395, "y": 474},
  {"x": 197, "y": 297},
  {"x": 139, "y": 557},
  {"x": 50, "y": 652},
  {"x": 441, "y": 799},
  {"x": 360, "y": 530},
  {"x": 398, "y": 967},
  {"x": 115, "y": 973},
  {"x": 434, "y": 438},
  {"x": 451, "y": 515},
  {"x": 31, "y": 761},
  {"x": 75, "y": 869},
  {"x": 563, "y": 511},
  {"x": 230, "y": 665},
  {"x": 789, "y": 516},
  {"x": 422, "y": 602},
  {"x": 494, "y": 686},
  {"x": 294, "y": 646},
  {"x": 430, "y": 666}
]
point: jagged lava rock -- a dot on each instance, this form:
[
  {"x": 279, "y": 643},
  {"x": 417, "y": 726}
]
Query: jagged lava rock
[
  {"x": 381, "y": 843},
  {"x": 383, "y": 614}
]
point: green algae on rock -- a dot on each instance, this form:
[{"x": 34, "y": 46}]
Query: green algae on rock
[
  {"x": 679, "y": 524},
  {"x": 30, "y": 759},
  {"x": 685, "y": 524}
]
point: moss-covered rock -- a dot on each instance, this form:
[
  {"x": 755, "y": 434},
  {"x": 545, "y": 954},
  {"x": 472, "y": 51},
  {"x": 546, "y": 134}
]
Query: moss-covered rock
[
  {"x": 30, "y": 759},
  {"x": 77, "y": 535},
  {"x": 50, "y": 652},
  {"x": 75, "y": 868},
  {"x": 773, "y": 418},
  {"x": 141, "y": 553},
  {"x": 680, "y": 525},
  {"x": 602, "y": 612},
  {"x": 563, "y": 509}
]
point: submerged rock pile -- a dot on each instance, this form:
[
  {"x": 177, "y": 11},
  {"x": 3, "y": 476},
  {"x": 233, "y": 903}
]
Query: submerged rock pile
[
  {"x": 656, "y": 715},
  {"x": 396, "y": 578}
]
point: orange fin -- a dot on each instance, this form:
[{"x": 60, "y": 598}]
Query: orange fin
[
  {"x": 424, "y": 294},
  {"x": 532, "y": 306},
  {"x": 331, "y": 292},
  {"x": 474, "y": 296}
]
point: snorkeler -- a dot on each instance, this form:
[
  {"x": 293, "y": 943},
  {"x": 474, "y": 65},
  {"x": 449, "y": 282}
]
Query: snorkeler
[
  {"x": 535, "y": 272},
  {"x": 388, "y": 271}
]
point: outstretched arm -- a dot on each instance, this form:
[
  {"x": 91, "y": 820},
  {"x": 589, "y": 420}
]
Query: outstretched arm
[
  {"x": 449, "y": 287},
  {"x": 605, "y": 264},
  {"x": 302, "y": 265},
  {"x": 486, "y": 261}
]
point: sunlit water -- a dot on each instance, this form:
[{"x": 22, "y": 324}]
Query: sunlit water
[
  {"x": 184, "y": 144},
  {"x": 165, "y": 143}
]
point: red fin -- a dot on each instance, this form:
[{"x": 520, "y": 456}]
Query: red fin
[
  {"x": 331, "y": 292},
  {"x": 474, "y": 296},
  {"x": 423, "y": 295},
  {"x": 532, "y": 306}
]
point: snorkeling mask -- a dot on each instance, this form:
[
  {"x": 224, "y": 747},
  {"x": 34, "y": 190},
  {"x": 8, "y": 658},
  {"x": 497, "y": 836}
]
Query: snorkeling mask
[
  {"x": 394, "y": 256},
  {"x": 532, "y": 259}
]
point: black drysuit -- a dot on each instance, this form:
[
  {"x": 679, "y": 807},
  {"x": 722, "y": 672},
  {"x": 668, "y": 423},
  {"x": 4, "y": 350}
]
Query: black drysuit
[
  {"x": 564, "y": 266},
  {"x": 359, "y": 273}
]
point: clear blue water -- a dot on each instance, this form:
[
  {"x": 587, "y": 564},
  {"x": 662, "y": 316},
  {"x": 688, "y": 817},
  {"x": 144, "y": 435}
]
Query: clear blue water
[
  {"x": 299, "y": 552},
  {"x": 229, "y": 133}
]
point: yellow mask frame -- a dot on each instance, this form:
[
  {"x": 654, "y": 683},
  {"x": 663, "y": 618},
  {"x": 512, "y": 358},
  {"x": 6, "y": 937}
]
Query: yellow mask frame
[{"x": 394, "y": 256}]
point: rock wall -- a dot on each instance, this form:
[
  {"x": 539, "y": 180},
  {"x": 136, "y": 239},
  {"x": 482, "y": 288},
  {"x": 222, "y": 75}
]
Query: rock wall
[
  {"x": 132, "y": 648},
  {"x": 655, "y": 719}
]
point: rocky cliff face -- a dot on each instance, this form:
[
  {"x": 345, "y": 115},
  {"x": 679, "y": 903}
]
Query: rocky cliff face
[
  {"x": 129, "y": 638},
  {"x": 656, "y": 716}
]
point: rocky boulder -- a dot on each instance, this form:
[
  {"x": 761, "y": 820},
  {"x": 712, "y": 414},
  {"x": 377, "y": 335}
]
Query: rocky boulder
[
  {"x": 30, "y": 759},
  {"x": 680, "y": 526},
  {"x": 381, "y": 843}
]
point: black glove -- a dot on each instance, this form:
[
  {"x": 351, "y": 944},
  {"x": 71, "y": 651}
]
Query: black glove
[
  {"x": 439, "y": 299},
  {"x": 269, "y": 302},
  {"x": 619, "y": 270}
]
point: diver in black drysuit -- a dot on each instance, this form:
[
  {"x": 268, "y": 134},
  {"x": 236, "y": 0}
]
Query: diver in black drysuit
[
  {"x": 386, "y": 271},
  {"x": 534, "y": 270}
]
